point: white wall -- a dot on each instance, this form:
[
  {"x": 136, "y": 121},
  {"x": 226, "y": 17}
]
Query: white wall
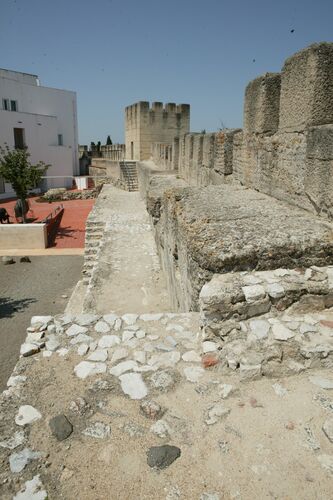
[{"x": 43, "y": 113}]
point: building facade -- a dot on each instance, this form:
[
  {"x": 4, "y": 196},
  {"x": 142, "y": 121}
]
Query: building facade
[
  {"x": 145, "y": 125},
  {"x": 42, "y": 119}
]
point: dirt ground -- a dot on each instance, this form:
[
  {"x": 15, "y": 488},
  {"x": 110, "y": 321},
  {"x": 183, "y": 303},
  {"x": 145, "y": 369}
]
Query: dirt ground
[{"x": 27, "y": 289}]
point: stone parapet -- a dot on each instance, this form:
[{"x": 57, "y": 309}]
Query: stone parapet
[
  {"x": 306, "y": 88},
  {"x": 261, "y": 104},
  {"x": 223, "y": 229}
]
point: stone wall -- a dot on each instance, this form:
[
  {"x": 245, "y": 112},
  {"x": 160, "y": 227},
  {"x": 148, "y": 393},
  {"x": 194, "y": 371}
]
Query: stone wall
[
  {"x": 205, "y": 159},
  {"x": 285, "y": 147},
  {"x": 145, "y": 125},
  {"x": 225, "y": 229},
  {"x": 162, "y": 155},
  {"x": 105, "y": 167}
]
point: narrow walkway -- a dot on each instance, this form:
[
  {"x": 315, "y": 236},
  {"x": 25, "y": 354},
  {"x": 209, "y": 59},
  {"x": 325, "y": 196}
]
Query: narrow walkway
[{"x": 128, "y": 278}]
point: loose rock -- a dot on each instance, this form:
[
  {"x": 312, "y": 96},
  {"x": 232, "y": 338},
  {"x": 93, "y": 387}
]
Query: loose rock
[
  {"x": 27, "y": 415},
  {"x": 61, "y": 427},
  {"x": 160, "y": 457},
  {"x": 151, "y": 409}
]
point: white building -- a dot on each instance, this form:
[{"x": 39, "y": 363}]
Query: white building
[{"x": 44, "y": 120}]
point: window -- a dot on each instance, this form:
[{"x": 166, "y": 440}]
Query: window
[
  {"x": 2, "y": 185},
  {"x": 9, "y": 105},
  {"x": 60, "y": 140}
]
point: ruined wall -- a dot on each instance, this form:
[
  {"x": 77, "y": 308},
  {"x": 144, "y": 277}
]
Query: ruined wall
[
  {"x": 161, "y": 155},
  {"x": 145, "y": 125},
  {"x": 285, "y": 147},
  {"x": 205, "y": 159}
]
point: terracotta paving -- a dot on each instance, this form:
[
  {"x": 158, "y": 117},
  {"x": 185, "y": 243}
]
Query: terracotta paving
[{"x": 71, "y": 232}]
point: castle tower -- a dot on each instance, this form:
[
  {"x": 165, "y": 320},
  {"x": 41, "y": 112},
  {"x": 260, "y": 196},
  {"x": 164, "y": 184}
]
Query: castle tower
[{"x": 145, "y": 125}]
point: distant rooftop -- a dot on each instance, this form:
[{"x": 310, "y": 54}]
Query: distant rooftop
[{"x": 19, "y": 76}]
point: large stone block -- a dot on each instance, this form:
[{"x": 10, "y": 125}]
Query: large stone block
[
  {"x": 318, "y": 183},
  {"x": 222, "y": 229},
  {"x": 261, "y": 105},
  {"x": 306, "y": 88}
]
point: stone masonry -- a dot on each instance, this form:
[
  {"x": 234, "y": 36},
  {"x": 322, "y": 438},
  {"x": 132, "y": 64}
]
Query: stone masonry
[
  {"x": 145, "y": 125},
  {"x": 217, "y": 392}
]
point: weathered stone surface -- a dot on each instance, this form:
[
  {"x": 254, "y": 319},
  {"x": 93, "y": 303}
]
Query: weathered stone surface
[
  {"x": 108, "y": 341},
  {"x": 14, "y": 441},
  {"x": 280, "y": 332},
  {"x": 99, "y": 355},
  {"x": 27, "y": 415},
  {"x": 209, "y": 346},
  {"x": 279, "y": 390},
  {"x": 161, "y": 429},
  {"x": 322, "y": 382},
  {"x": 133, "y": 385},
  {"x": 160, "y": 457},
  {"x": 260, "y": 328},
  {"x": 163, "y": 380},
  {"x": 328, "y": 428},
  {"x": 86, "y": 319},
  {"x": 261, "y": 104},
  {"x": 151, "y": 409},
  {"x": 98, "y": 430},
  {"x": 102, "y": 327},
  {"x": 61, "y": 427},
  {"x": 216, "y": 412},
  {"x": 74, "y": 330},
  {"x": 124, "y": 366},
  {"x": 130, "y": 319},
  {"x": 16, "y": 380},
  {"x": 41, "y": 321},
  {"x": 259, "y": 232},
  {"x": 311, "y": 103},
  {"x": 191, "y": 356},
  {"x": 82, "y": 349},
  {"x": 29, "y": 349},
  {"x": 52, "y": 343},
  {"x": 193, "y": 373},
  {"x": 80, "y": 338},
  {"x": 32, "y": 490},
  {"x": 326, "y": 461},
  {"x": 249, "y": 372},
  {"x": 253, "y": 292},
  {"x": 118, "y": 354},
  {"x": 87, "y": 368}
]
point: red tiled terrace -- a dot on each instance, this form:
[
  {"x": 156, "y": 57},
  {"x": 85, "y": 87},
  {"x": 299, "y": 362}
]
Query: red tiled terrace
[{"x": 71, "y": 233}]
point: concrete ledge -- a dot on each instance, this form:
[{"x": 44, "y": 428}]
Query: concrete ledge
[{"x": 23, "y": 236}]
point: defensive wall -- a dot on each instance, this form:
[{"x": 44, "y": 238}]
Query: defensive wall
[
  {"x": 285, "y": 147},
  {"x": 223, "y": 221}
]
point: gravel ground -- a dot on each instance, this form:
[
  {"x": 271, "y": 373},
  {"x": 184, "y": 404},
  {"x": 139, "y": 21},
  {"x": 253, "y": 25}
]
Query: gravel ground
[{"x": 27, "y": 289}]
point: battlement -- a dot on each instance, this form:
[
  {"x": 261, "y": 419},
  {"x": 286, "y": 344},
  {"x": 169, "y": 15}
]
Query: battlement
[
  {"x": 146, "y": 124},
  {"x": 169, "y": 107}
]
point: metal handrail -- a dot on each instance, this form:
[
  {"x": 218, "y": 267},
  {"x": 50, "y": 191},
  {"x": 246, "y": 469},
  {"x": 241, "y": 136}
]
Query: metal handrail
[{"x": 52, "y": 214}]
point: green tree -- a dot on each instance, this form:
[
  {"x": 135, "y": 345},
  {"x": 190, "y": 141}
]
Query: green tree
[
  {"x": 108, "y": 141},
  {"x": 16, "y": 169}
]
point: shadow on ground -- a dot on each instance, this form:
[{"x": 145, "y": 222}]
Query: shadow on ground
[{"x": 8, "y": 306}]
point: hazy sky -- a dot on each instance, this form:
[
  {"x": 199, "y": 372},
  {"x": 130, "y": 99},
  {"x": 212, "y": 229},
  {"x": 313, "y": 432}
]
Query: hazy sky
[{"x": 116, "y": 52}]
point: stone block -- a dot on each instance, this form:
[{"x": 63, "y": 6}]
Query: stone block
[
  {"x": 223, "y": 229},
  {"x": 261, "y": 105},
  {"x": 306, "y": 88}
]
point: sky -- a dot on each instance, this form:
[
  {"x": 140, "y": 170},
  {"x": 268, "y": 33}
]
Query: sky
[{"x": 117, "y": 52}]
